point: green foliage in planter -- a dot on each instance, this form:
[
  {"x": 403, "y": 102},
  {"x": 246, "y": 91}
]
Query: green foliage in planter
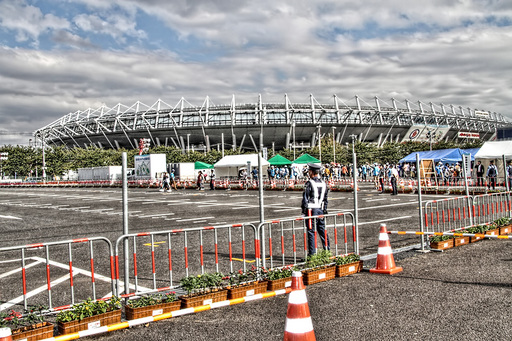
[
  {"x": 351, "y": 258},
  {"x": 277, "y": 273},
  {"x": 477, "y": 229},
  {"x": 89, "y": 308},
  {"x": 435, "y": 239},
  {"x": 153, "y": 299},
  {"x": 321, "y": 258},
  {"x": 239, "y": 277},
  {"x": 502, "y": 221},
  {"x": 201, "y": 283},
  {"x": 16, "y": 320}
]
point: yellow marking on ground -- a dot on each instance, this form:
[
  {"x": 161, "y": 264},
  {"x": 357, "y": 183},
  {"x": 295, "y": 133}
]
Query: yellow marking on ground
[
  {"x": 155, "y": 244},
  {"x": 247, "y": 261}
]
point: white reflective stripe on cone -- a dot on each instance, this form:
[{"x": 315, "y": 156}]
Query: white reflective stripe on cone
[
  {"x": 384, "y": 250},
  {"x": 298, "y": 297},
  {"x": 298, "y": 326},
  {"x": 383, "y": 236},
  {"x": 4, "y": 332}
]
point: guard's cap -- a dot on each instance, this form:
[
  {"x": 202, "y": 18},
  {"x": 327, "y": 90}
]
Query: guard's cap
[{"x": 314, "y": 166}]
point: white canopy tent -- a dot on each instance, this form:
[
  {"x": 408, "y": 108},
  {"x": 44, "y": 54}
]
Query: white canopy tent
[
  {"x": 494, "y": 150},
  {"x": 231, "y": 164}
]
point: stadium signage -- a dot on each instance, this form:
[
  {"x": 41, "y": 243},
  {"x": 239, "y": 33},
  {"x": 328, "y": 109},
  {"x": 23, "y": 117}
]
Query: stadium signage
[
  {"x": 482, "y": 113},
  {"x": 426, "y": 133},
  {"x": 468, "y": 135}
]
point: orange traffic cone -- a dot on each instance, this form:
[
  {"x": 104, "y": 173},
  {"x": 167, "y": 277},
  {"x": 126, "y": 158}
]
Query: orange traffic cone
[
  {"x": 298, "y": 326},
  {"x": 5, "y": 334},
  {"x": 385, "y": 260}
]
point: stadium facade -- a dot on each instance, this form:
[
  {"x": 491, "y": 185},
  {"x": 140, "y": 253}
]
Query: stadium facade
[{"x": 283, "y": 125}]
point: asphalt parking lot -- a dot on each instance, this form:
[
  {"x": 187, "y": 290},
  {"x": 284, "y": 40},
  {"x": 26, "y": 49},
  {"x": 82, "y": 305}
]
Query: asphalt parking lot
[{"x": 437, "y": 296}]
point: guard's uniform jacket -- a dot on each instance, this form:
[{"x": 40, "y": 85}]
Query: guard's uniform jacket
[
  {"x": 314, "y": 203},
  {"x": 315, "y": 196}
]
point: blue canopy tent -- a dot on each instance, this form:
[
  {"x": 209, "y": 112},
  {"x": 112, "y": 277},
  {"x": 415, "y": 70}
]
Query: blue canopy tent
[{"x": 442, "y": 155}]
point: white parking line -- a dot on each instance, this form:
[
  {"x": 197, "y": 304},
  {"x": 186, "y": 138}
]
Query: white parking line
[
  {"x": 9, "y": 217},
  {"x": 196, "y": 218},
  {"x": 383, "y": 220},
  {"x": 18, "y": 269},
  {"x": 155, "y": 215}
]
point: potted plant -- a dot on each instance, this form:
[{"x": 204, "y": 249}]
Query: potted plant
[
  {"x": 202, "y": 289},
  {"x": 504, "y": 225},
  {"x": 278, "y": 278},
  {"x": 441, "y": 242},
  {"x": 480, "y": 229},
  {"x": 89, "y": 315},
  {"x": 151, "y": 305},
  {"x": 243, "y": 284},
  {"x": 319, "y": 267},
  {"x": 348, "y": 264},
  {"x": 460, "y": 240},
  {"x": 30, "y": 326},
  {"x": 492, "y": 229}
]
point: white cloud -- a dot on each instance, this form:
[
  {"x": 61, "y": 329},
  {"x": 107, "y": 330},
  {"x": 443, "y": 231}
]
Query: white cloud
[
  {"x": 449, "y": 52},
  {"x": 28, "y": 21}
]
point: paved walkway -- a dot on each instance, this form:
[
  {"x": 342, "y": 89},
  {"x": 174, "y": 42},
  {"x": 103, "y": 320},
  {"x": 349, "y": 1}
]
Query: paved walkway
[{"x": 460, "y": 294}]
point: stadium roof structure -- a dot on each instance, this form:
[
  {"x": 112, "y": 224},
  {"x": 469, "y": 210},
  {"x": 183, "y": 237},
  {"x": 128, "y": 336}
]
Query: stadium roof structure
[{"x": 283, "y": 125}]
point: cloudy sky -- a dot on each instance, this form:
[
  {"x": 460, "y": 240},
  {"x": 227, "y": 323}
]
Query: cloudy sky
[{"x": 60, "y": 56}]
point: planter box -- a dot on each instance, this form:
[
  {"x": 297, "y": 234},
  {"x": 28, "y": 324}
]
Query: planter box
[
  {"x": 249, "y": 289},
  {"x": 506, "y": 229},
  {"x": 493, "y": 232},
  {"x": 151, "y": 310},
  {"x": 475, "y": 239},
  {"x": 442, "y": 245},
  {"x": 278, "y": 284},
  {"x": 312, "y": 276},
  {"x": 196, "y": 300},
  {"x": 458, "y": 241},
  {"x": 349, "y": 269},
  {"x": 90, "y": 322},
  {"x": 39, "y": 331}
]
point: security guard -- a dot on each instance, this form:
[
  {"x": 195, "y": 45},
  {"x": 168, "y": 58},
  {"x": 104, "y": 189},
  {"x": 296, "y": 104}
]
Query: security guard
[{"x": 314, "y": 203}]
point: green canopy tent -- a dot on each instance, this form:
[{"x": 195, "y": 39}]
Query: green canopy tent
[
  {"x": 279, "y": 160},
  {"x": 306, "y": 158},
  {"x": 202, "y": 165}
]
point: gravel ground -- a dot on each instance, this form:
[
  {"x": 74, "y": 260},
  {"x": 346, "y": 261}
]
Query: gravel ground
[{"x": 460, "y": 294}]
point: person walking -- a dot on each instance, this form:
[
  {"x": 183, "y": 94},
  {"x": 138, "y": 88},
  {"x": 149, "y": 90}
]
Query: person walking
[
  {"x": 492, "y": 174},
  {"x": 200, "y": 180},
  {"x": 212, "y": 180},
  {"x": 314, "y": 203},
  {"x": 509, "y": 175},
  {"x": 172, "y": 177},
  {"x": 393, "y": 175},
  {"x": 480, "y": 170}
]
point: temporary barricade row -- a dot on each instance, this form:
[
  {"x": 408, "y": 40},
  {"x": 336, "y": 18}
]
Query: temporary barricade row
[
  {"x": 285, "y": 234},
  {"x": 448, "y": 214},
  {"x": 455, "y": 234},
  {"x": 215, "y": 247},
  {"x": 38, "y": 280},
  {"x": 461, "y": 212},
  {"x": 489, "y": 207}
]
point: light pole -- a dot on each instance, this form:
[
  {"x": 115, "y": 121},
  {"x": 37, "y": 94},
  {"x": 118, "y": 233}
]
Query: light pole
[
  {"x": 333, "y": 144},
  {"x": 320, "y": 142},
  {"x": 293, "y": 126}
]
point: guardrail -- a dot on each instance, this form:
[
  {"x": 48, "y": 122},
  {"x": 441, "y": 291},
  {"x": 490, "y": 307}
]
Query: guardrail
[
  {"x": 448, "y": 214},
  {"x": 210, "y": 253},
  {"x": 69, "y": 243},
  {"x": 490, "y": 207},
  {"x": 290, "y": 242}
]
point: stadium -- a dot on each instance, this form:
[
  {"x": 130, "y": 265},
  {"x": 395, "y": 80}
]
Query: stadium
[{"x": 283, "y": 125}]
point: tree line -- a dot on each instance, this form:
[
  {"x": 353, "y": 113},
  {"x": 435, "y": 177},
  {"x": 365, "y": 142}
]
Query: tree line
[{"x": 26, "y": 161}]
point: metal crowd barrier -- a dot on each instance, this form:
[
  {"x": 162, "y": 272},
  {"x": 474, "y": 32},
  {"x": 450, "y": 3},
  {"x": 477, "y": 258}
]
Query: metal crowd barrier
[
  {"x": 448, "y": 214},
  {"x": 23, "y": 249},
  {"x": 288, "y": 233},
  {"x": 215, "y": 247},
  {"x": 489, "y": 207}
]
